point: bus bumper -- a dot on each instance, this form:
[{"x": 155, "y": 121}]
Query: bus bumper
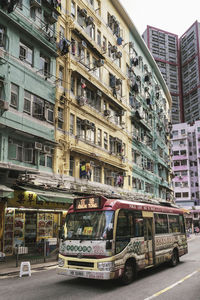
[{"x": 104, "y": 275}]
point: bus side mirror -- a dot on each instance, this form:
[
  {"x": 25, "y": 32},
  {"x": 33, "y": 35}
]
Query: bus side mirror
[
  {"x": 109, "y": 234},
  {"x": 108, "y": 245},
  {"x": 61, "y": 234}
]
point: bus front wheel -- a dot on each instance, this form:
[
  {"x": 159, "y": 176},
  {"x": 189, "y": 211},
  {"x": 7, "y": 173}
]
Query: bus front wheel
[
  {"x": 175, "y": 258},
  {"x": 129, "y": 273}
]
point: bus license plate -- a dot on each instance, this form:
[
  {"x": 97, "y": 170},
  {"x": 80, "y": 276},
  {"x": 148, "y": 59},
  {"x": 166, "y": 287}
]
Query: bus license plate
[{"x": 77, "y": 273}]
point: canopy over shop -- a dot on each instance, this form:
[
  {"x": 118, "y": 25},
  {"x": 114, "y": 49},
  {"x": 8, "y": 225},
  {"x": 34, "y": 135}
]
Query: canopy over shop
[{"x": 33, "y": 215}]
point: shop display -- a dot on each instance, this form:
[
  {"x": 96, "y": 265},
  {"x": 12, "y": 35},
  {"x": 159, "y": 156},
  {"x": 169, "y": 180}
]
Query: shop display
[
  {"x": 45, "y": 225},
  {"x": 30, "y": 228},
  {"x": 9, "y": 231},
  {"x": 19, "y": 229}
]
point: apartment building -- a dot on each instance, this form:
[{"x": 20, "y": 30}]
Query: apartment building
[
  {"x": 164, "y": 47},
  {"x": 84, "y": 110},
  {"x": 185, "y": 155},
  {"x": 113, "y": 105},
  {"x": 27, "y": 134},
  {"x": 190, "y": 62}
]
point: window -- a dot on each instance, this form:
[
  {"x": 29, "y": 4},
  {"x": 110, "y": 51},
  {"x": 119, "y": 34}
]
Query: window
[
  {"x": 182, "y": 131},
  {"x": 20, "y": 151},
  {"x": 25, "y": 53},
  {"x": 178, "y": 195},
  {"x": 71, "y": 130},
  {"x": 97, "y": 174},
  {"x": 60, "y": 117},
  {"x": 92, "y": 31},
  {"x": 161, "y": 224},
  {"x": 61, "y": 33},
  {"x": 27, "y": 102},
  {"x": 2, "y": 37},
  {"x": 104, "y": 44},
  {"x": 73, "y": 9},
  {"x": 71, "y": 166},
  {"x": 72, "y": 84},
  {"x": 105, "y": 140},
  {"x": 185, "y": 195},
  {"x": 61, "y": 75},
  {"x": 129, "y": 224},
  {"x": 99, "y": 137},
  {"x": 175, "y": 132},
  {"x": 99, "y": 38},
  {"x": 14, "y": 95},
  {"x": 46, "y": 160},
  {"x": 45, "y": 65},
  {"x": 38, "y": 107},
  {"x": 174, "y": 225}
]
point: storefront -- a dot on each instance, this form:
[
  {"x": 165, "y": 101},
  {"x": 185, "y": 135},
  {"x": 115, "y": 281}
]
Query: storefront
[{"x": 31, "y": 216}]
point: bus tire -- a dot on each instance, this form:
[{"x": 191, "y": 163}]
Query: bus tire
[
  {"x": 129, "y": 273},
  {"x": 175, "y": 258}
]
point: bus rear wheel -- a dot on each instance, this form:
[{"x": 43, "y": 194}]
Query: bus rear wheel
[
  {"x": 129, "y": 273},
  {"x": 175, "y": 258}
]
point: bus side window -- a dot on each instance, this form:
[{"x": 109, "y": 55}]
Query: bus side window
[
  {"x": 138, "y": 224},
  {"x": 124, "y": 225},
  {"x": 138, "y": 228},
  {"x": 174, "y": 224},
  {"x": 182, "y": 224}
]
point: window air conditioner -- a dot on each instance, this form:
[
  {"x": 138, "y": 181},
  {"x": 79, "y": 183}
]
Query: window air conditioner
[
  {"x": 47, "y": 149},
  {"x": 113, "y": 19},
  {"x": 52, "y": 18},
  {"x": 83, "y": 12},
  {"x": 113, "y": 49},
  {"x": 86, "y": 123},
  {"x": 118, "y": 81},
  {"x": 99, "y": 63},
  {"x": 38, "y": 146},
  {"x": 107, "y": 112},
  {"x": 99, "y": 93},
  {"x": 82, "y": 100},
  {"x": 118, "y": 54},
  {"x": 89, "y": 21},
  {"x": 131, "y": 45}
]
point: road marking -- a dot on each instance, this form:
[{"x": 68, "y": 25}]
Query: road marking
[{"x": 172, "y": 286}]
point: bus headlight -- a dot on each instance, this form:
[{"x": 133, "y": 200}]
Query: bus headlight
[
  {"x": 106, "y": 266},
  {"x": 61, "y": 262}
]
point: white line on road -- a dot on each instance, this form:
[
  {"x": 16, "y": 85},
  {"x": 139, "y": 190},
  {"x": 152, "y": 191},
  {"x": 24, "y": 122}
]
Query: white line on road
[{"x": 172, "y": 286}]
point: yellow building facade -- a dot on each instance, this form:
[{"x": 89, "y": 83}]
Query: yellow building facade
[{"x": 101, "y": 67}]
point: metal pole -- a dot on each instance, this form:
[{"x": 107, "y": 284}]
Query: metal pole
[
  {"x": 45, "y": 250},
  {"x": 17, "y": 256}
]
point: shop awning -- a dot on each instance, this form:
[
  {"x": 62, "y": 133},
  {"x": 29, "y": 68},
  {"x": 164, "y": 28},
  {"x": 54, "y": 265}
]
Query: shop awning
[
  {"x": 6, "y": 192},
  {"x": 50, "y": 196}
]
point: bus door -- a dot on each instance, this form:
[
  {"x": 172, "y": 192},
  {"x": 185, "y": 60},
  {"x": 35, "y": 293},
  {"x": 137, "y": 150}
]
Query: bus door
[{"x": 149, "y": 238}]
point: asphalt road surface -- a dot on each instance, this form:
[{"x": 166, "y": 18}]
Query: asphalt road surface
[{"x": 161, "y": 283}]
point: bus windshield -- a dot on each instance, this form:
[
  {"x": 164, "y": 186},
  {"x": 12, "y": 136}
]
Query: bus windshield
[{"x": 91, "y": 225}]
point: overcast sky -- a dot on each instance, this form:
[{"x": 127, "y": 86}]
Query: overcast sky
[{"x": 174, "y": 16}]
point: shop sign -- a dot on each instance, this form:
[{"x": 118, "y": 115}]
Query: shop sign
[{"x": 29, "y": 199}]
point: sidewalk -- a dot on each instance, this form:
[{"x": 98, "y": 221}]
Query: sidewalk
[{"x": 6, "y": 269}]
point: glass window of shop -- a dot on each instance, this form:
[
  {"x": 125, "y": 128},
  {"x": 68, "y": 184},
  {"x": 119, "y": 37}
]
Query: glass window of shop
[{"x": 29, "y": 228}]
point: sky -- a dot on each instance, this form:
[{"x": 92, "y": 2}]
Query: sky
[{"x": 174, "y": 16}]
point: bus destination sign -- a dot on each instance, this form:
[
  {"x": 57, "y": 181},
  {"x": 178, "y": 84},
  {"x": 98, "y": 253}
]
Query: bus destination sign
[{"x": 87, "y": 203}]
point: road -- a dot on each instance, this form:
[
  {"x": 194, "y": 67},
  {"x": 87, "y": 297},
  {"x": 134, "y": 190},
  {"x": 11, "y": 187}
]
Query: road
[{"x": 162, "y": 283}]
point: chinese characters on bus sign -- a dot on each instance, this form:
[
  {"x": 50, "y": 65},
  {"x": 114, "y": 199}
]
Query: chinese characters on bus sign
[{"x": 87, "y": 203}]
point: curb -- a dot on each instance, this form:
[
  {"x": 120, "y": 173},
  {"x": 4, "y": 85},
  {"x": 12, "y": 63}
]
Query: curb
[{"x": 35, "y": 268}]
